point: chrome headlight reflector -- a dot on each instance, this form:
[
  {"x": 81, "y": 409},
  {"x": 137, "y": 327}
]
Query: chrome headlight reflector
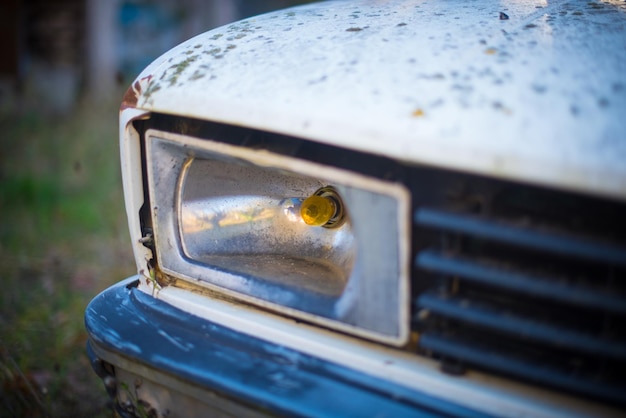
[{"x": 310, "y": 241}]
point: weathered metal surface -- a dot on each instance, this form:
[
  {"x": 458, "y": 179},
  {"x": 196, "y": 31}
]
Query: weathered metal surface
[
  {"x": 537, "y": 95},
  {"x": 130, "y": 157},
  {"x": 486, "y": 393},
  {"x": 145, "y": 336}
]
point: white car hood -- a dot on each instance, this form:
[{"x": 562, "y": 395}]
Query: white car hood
[{"x": 526, "y": 90}]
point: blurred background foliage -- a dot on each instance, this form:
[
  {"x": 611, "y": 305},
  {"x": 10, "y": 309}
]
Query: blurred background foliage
[
  {"x": 62, "y": 240},
  {"x": 63, "y": 234}
]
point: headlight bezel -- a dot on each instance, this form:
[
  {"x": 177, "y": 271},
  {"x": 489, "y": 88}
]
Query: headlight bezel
[{"x": 165, "y": 225}]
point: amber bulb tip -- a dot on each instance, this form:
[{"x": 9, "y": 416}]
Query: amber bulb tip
[{"x": 317, "y": 210}]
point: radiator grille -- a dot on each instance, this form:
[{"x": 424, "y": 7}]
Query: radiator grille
[{"x": 532, "y": 287}]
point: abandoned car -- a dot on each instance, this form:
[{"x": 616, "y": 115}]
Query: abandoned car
[{"x": 376, "y": 208}]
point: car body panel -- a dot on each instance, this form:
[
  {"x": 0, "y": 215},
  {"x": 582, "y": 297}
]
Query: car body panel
[
  {"x": 266, "y": 377},
  {"x": 130, "y": 157},
  {"x": 528, "y": 90}
]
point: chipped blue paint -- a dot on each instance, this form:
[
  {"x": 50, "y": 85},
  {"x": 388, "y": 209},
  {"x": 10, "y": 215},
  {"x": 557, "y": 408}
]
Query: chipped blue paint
[
  {"x": 275, "y": 379},
  {"x": 537, "y": 97},
  {"x": 176, "y": 342}
]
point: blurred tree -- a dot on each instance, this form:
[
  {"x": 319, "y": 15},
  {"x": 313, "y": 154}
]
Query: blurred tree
[
  {"x": 9, "y": 40},
  {"x": 96, "y": 44}
]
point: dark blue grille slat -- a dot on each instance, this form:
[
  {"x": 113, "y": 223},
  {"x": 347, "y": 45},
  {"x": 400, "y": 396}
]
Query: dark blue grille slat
[
  {"x": 523, "y": 236},
  {"x": 496, "y": 360},
  {"x": 541, "y": 300},
  {"x": 521, "y": 282},
  {"x": 502, "y": 321}
]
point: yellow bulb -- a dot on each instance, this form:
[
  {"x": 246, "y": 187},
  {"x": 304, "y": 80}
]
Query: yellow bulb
[{"x": 317, "y": 210}]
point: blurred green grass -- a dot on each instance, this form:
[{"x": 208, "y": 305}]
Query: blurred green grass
[{"x": 63, "y": 239}]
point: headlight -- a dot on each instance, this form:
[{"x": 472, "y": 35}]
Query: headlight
[{"x": 310, "y": 241}]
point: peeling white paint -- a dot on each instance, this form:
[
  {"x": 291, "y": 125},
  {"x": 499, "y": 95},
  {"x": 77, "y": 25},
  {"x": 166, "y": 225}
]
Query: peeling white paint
[
  {"x": 132, "y": 175},
  {"x": 537, "y": 97}
]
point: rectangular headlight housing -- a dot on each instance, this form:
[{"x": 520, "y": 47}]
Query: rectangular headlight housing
[{"x": 230, "y": 218}]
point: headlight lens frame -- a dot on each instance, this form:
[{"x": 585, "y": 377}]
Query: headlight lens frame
[{"x": 253, "y": 245}]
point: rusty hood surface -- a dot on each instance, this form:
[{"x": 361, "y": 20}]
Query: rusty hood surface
[{"x": 529, "y": 90}]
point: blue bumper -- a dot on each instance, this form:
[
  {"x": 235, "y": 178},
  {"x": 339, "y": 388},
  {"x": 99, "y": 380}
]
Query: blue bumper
[{"x": 264, "y": 376}]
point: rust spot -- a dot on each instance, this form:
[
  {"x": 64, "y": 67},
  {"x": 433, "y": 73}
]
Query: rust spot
[
  {"x": 130, "y": 99},
  {"x": 417, "y": 113},
  {"x": 131, "y": 96},
  {"x": 490, "y": 51}
]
